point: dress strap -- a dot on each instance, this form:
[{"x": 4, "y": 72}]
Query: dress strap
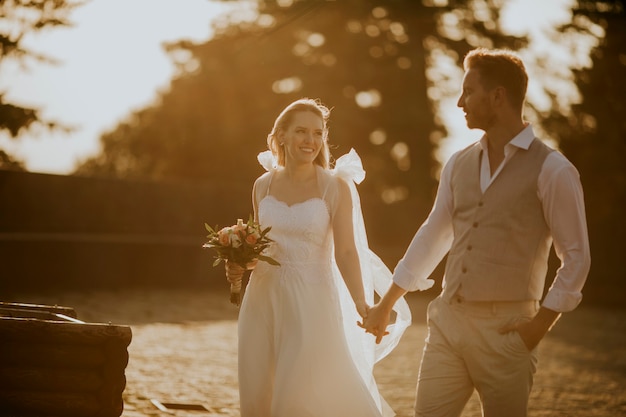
[
  {"x": 325, "y": 190},
  {"x": 269, "y": 183}
]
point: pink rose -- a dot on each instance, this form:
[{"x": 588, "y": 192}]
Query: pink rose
[
  {"x": 224, "y": 236},
  {"x": 251, "y": 239}
]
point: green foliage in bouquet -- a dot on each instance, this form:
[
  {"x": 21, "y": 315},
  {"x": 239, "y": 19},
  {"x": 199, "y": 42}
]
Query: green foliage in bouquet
[{"x": 241, "y": 243}]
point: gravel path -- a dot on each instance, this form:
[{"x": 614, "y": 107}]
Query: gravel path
[{"x": 184, "y": 351}]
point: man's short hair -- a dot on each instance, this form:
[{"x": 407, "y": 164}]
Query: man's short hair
[{"x": 500, "y": 68}]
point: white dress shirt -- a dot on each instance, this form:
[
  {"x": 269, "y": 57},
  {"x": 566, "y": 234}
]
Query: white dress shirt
[{"x": 561, "y": 194}]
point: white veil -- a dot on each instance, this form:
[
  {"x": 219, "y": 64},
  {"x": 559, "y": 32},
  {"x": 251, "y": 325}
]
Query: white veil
[{"x": 376, "y": 279}]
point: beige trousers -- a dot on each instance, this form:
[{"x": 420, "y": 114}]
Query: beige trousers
[{"x": 464, "y": 351}]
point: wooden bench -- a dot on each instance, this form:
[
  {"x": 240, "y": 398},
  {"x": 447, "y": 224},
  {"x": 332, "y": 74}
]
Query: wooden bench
[{"x": 52, "y": 364}]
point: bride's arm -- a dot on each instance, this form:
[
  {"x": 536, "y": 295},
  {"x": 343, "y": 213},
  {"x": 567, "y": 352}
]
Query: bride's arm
[{"x": 346, "y": 254}]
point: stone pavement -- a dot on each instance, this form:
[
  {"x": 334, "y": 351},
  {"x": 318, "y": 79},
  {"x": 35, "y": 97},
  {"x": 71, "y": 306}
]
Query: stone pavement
[{"x": 184, "y": 351}]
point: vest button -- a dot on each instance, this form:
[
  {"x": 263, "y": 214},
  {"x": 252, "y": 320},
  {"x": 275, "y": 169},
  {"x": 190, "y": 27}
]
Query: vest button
[
  {"x": 469, "y": 247},
  {"x": 480, "y": 204},
  {"x": 464, "y": 270},
  {"x": 475, "y": 224}
]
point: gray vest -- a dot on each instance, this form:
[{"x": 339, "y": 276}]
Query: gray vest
[{"x": 501, "y": 240}]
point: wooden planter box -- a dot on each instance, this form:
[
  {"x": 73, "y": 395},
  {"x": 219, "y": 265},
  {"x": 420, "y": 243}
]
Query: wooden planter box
[{"x": 52, "y": 364}]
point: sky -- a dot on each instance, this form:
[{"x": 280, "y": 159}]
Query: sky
[{"x": 112, "y": 62}]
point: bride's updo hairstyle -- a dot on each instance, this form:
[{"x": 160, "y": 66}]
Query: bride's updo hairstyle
[{"x": 284, "y": 120}]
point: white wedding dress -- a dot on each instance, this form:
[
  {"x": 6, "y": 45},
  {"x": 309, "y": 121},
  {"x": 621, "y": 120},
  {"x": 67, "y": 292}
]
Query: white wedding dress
[{"x": 301, "y": 353}]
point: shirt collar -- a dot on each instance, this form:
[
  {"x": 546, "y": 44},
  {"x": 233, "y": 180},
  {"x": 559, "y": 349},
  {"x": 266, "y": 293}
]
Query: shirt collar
[{"x": 522, "y": 140}]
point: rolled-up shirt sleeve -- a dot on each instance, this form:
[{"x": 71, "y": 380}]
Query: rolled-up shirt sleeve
[
  {"x": 561, "y": 193},
  {"x": 431, "y": 242}
]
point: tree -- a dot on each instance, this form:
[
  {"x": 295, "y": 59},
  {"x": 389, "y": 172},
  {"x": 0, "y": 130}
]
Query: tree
[
  {"x": 593, "y": 137},
  {"x": 250, "y": 70},
  {"x": 364, "y": 60},
  {"x": 368, "y": 60},
  {"x": 19, "y": 18}
]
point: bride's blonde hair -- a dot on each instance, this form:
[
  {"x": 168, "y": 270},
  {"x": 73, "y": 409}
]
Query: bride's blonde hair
[{"x": 285, "y": 118}]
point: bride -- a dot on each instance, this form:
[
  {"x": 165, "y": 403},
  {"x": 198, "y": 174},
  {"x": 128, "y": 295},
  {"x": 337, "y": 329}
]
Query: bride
[{"x": 301, "y": 352}]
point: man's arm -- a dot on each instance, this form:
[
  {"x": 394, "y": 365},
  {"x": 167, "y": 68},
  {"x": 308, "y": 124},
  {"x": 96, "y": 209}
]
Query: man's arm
[
  {"x": 563, "y": 205},
  {"x": 562, "y": 198},
  {"x": 428, "y": 247},
  {"x": 432, "y": 240}
]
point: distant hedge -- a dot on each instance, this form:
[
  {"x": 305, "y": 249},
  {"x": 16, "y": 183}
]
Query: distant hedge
[{"x": 59, "y": 232}]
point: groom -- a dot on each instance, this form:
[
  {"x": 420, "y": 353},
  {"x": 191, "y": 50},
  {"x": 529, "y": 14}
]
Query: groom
[{"x": 500, "y": 205}]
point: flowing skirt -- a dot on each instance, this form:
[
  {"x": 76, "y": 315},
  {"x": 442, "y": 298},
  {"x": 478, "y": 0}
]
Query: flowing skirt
[{"x": 294, "y": 359}]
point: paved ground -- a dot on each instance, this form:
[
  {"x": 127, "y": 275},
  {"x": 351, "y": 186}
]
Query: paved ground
[{"x": 184, "y": 351}]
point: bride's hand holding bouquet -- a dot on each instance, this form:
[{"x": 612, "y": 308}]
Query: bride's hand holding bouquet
[
  {"x": 240, "y": 246},
  {"x": 234, "y": 275}
]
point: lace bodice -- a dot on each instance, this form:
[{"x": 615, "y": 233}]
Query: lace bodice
[{"x": 301, "y": 232}]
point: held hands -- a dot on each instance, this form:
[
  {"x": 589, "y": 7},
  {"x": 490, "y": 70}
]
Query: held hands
[{"x": 375, "y": 321}]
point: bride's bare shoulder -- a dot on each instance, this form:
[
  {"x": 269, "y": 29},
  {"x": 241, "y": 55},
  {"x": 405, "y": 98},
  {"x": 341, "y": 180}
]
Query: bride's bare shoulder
[{"x": 264, "y": 178}]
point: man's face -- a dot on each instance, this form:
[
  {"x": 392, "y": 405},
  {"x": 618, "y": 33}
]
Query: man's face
[{"x": 476, "y": 102}]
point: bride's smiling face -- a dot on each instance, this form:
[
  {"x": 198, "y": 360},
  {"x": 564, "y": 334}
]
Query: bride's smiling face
[{"x": 303, "y": 139}]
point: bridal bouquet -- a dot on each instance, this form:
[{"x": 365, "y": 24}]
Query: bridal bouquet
[{"x": 243, "y": 244}]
